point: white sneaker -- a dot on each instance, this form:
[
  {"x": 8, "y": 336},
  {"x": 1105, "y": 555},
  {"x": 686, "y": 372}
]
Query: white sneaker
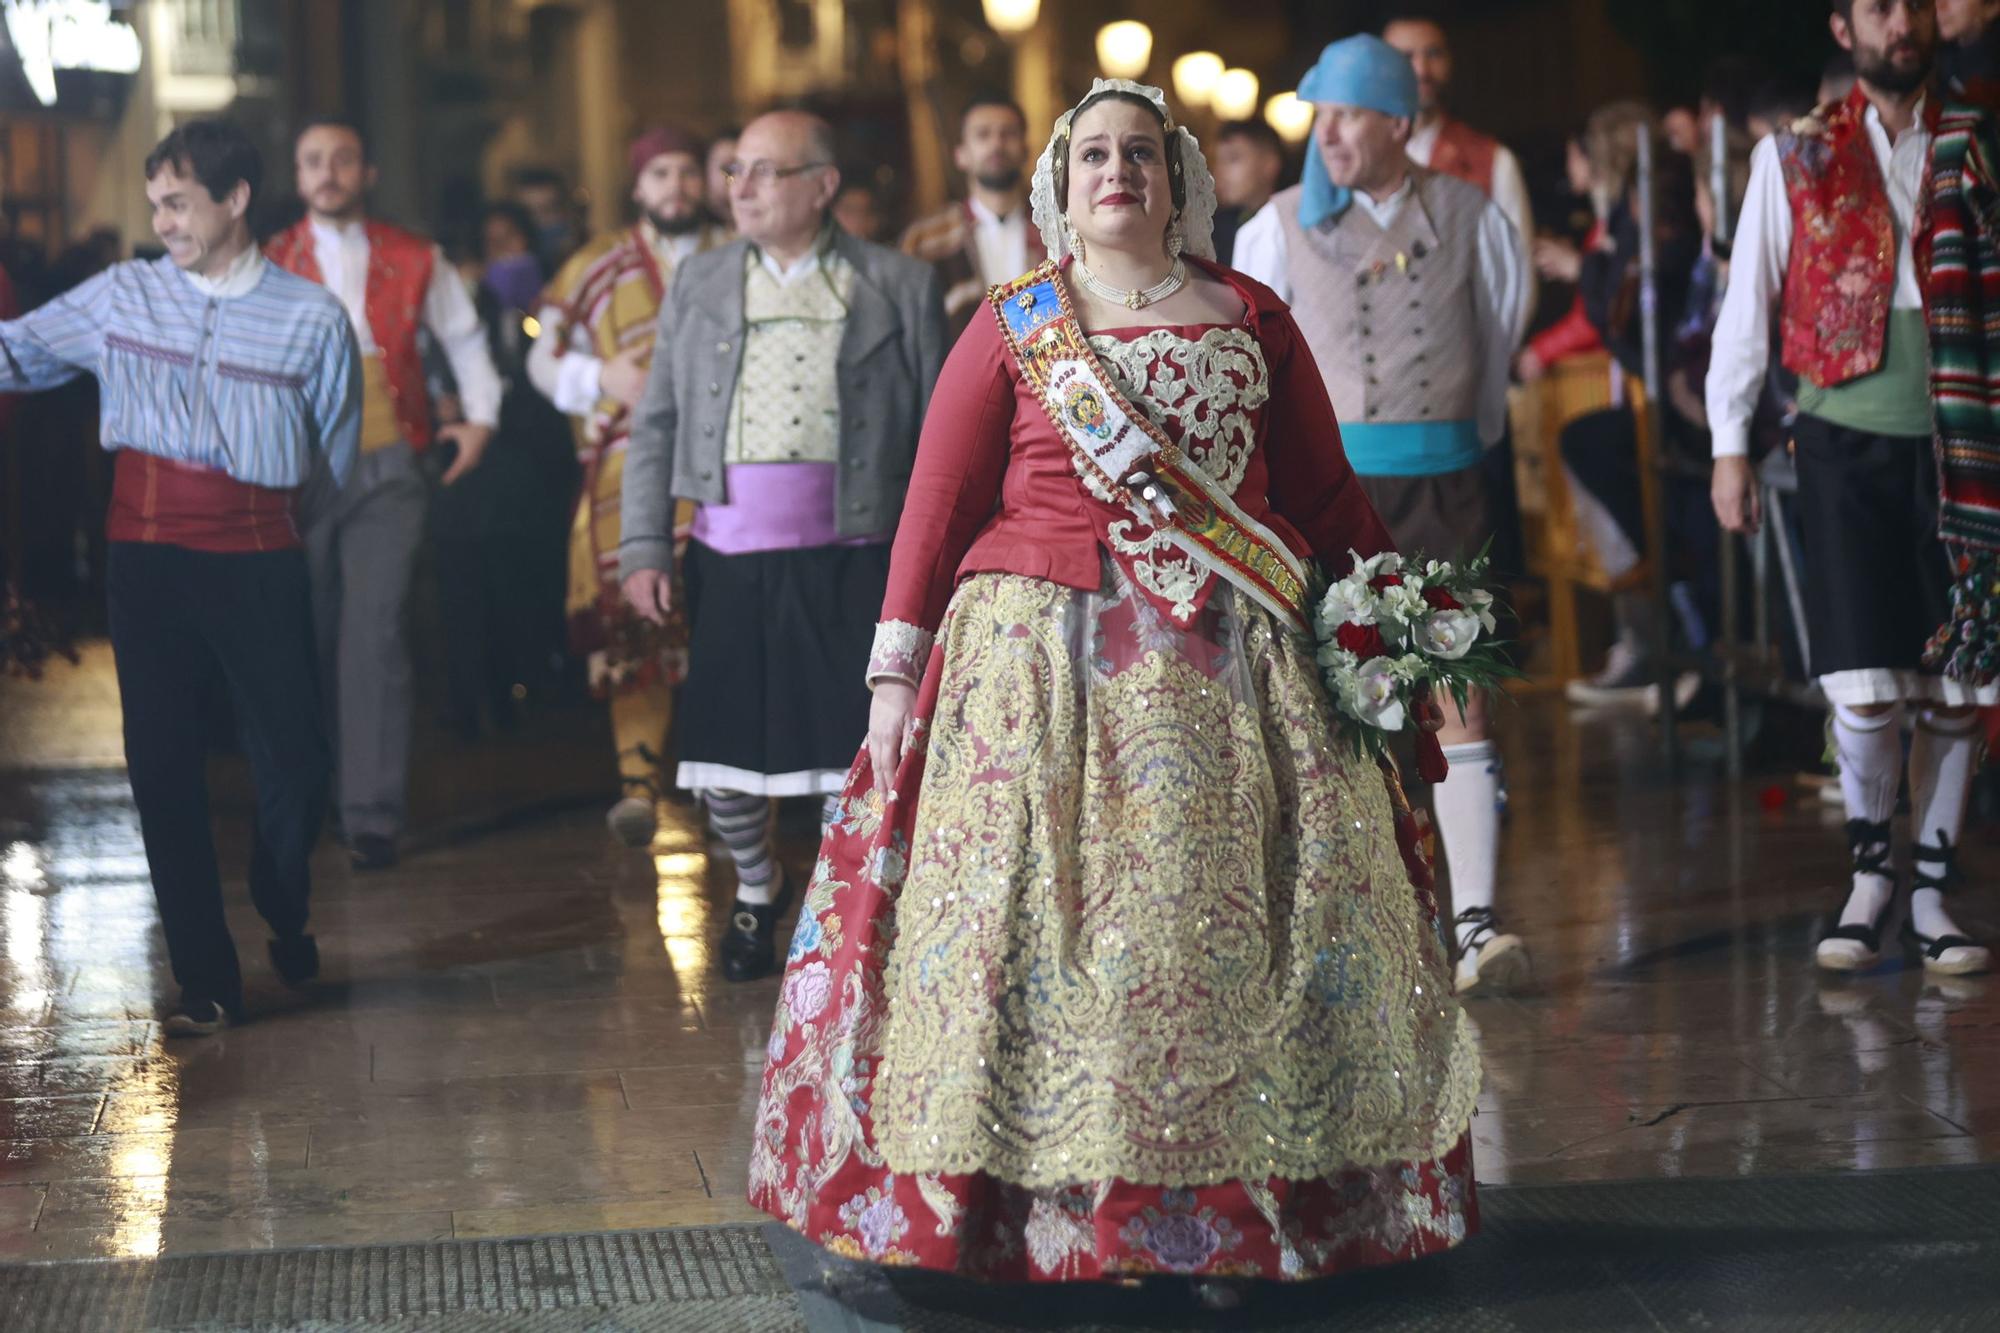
[{"x": 633, "y": 821}]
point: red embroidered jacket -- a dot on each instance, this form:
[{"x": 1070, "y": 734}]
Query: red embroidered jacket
[
  {"x": 1464, "y": 152},
  {"x": 399, "y": 277},
  {"x": 993, "y": 488},
  {"x": 1842, "y": 273}
]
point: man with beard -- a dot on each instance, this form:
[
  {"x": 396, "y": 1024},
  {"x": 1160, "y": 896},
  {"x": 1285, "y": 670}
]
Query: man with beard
[
  {"x": 361, "y": 541},
  {"x": 226, "y": 384},
  {"x": 1411, "y": 288},
  {"x": 1444, "y": 143},
  {"x": 1831, "y": 242},
  {"x": 598, "y": 322},
  {"x": 988, "y": 237}
]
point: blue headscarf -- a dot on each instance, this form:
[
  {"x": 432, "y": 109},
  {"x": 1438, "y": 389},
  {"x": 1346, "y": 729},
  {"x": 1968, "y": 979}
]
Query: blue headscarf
[{"x": 1362, "y": 71}]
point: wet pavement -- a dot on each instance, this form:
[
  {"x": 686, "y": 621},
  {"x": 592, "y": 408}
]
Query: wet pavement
[{"x": 521, "y": 1031}]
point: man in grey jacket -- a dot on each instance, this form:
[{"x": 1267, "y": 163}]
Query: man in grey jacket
[{"x": 788, "y": 384}]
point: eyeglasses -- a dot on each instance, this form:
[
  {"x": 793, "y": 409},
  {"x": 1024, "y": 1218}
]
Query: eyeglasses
[{"x": 763, "y": 173}]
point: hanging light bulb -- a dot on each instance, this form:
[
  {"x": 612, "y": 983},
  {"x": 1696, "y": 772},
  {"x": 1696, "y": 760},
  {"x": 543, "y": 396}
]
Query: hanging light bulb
[
  {"x": 1194, "y": 77},
  {"x": 1124, "y": 48},
  {"x": 1289, "y": 116},
  {"x": 1235, "y": 95},
  {"x": 1011, "y": 18}
]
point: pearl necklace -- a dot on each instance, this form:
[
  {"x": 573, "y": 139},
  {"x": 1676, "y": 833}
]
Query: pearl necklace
[{"x": 1137, "y": 298}]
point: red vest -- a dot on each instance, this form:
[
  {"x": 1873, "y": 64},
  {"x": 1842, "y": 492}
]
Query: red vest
[
  {"x": 1843, "y": 264},
  {"x": 1464, "y": 152},
  {"x": 399, "y": 276}
]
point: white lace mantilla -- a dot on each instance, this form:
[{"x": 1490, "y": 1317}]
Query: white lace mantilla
[
  {"x": 901, "y": 652},
  {"x": 1184, "y": 386}
]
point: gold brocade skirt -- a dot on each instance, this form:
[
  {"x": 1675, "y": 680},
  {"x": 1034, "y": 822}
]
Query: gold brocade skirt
[{"x": 1154, "y": 926}]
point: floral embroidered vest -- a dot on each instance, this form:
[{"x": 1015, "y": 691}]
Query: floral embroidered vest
[
  {"x": 399, "y": 277},
  {"x": 1842, "y": 273},
  {"x": 1464, "y": 152}
]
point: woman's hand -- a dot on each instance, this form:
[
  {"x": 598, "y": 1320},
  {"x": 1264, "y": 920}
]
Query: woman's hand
[
  {"x": 1557, "y": 260},
  {"x": 890, "y": 718}
]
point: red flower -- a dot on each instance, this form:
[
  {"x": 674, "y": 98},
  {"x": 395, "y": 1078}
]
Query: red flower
[
  {"x": 1382, "y": 581},
  {"x": 1440, "y": 600},
  {"x": 1364, "y": 641}
]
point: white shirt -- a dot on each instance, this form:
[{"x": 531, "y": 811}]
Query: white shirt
[
  {"x": 244, "y": 272},
  {"x": 1763, "y": 251},
  {"x": 572, "y": 377},
  {"x": 1510, "y": 187},
  {"x": 1262, "y": 252},
  {"x": 1002, "y": 242},
  {"x": 448, "y": 313}
]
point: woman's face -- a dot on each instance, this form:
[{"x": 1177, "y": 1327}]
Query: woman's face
[{"x": 1120, "y": 192}]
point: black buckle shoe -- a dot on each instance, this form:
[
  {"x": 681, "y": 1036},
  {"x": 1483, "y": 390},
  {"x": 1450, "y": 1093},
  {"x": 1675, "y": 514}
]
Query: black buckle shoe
[
  {"x": 749, "y": 946},
  {"x": 296, "y": 958}
]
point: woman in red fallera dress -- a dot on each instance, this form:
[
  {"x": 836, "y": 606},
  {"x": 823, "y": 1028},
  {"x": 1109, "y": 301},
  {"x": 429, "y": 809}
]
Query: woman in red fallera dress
[{"x": 1110, "y": 965}]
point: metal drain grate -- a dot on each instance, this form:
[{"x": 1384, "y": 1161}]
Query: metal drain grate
[{"x": 698, "y": 1278}]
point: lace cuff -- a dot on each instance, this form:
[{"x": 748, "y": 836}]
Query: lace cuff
[{"x": 901, "y": 652}]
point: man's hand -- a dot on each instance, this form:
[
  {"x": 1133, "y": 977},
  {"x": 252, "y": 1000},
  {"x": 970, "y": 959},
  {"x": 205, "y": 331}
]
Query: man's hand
[
  {"x": 1528, "y": 367},
  {"x": 651, "y": 593},
  {"x": 471, "y": 441},
  {"x": 1739, "y": 506},
  {"x": 624, "y": 375},
  {"x": 890, "y": 714}
]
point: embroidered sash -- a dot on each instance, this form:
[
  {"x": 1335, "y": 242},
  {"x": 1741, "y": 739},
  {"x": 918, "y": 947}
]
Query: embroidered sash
[{"x": 1124, "y": 458}]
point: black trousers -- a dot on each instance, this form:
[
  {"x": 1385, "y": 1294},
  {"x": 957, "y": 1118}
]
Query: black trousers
[{"x": 181, "y": 620}]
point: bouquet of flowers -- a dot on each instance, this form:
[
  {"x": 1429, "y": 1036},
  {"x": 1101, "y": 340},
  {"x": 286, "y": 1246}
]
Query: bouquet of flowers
[{"x": 1399, "y": 629}]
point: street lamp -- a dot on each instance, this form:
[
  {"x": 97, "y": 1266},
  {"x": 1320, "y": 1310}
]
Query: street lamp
[
  {"x": 1290, "y": 116},
  {"x": 1194, "y": 77},
  {"x": 1124, "y": 48},
  {"x": 1011, "y": 18},
  {"x": 1235, "y": 95}
]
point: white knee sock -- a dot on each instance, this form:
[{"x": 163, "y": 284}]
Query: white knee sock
[
  {"x": 1871, "y": 762},
  {"x": 1468, "y": 821},
  {"x": 1941, "y": 762}
]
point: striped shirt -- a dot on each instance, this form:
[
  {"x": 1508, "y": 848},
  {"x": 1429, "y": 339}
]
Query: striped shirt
[{"x": 264, "y": 386}]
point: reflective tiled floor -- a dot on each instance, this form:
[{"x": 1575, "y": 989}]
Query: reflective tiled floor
[{"x": 521, "y": 1031}]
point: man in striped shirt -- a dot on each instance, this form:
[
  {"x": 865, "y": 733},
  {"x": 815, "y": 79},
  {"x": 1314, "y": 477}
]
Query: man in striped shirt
[{"x": 226, "y": 385}]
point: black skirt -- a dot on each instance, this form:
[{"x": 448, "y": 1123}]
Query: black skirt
[
  {"x": 778, "y": 642},
  {"x": 1877, "y": 579}
]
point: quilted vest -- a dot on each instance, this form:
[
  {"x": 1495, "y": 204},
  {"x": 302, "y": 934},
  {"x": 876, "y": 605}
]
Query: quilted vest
[
  {"x": 1391, "y": 314},
  {"x": 1842, "y": 272},
  {"x": 399, "y": 276}
]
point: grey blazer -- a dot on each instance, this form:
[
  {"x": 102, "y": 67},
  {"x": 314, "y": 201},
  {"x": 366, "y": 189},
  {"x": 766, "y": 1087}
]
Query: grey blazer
[{"x": 890, "y": 354}]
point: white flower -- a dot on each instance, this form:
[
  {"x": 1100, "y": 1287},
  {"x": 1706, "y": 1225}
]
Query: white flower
[
  {"x": 1448, "y": 635},
  {"x": 1388, "y": 562},
  {"x": 1405, "y": 604},
  {"x": 1410, "y": 668},
  {"x": 1348, "y": 602},
  {"x": 1374, "y": 695},
  {"x": 1480, "y": 603}
]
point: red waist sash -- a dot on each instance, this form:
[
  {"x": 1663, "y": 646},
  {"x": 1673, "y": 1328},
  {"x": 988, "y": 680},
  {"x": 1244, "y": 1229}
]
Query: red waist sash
[{"x": 174, "y": 504}]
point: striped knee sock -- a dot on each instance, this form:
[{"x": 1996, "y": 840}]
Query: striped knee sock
[{"x": 743, "y": 822}]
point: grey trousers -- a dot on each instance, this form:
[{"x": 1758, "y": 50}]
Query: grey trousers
[{"x": 361, "y": 547}]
